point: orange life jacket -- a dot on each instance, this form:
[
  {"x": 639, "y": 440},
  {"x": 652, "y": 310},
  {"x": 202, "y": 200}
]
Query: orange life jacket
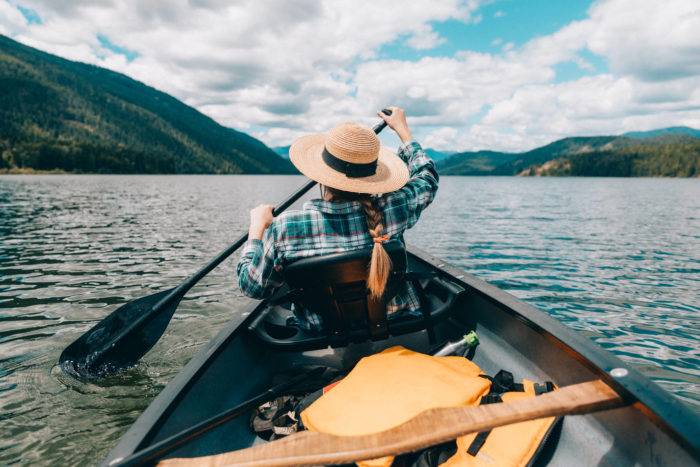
[{"x": 389, "y": 388}]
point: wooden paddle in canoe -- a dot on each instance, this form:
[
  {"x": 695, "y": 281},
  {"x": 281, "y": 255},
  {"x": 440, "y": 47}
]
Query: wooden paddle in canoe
[
  {"x": 429, "y": 428},
  {"x": 237, "y": 364}
]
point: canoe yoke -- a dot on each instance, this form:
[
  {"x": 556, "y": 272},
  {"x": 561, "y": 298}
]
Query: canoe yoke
[{"x": 334, "y": 287}]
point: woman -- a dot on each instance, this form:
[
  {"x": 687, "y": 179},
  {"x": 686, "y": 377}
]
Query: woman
[{"x": 369, "y": 195}]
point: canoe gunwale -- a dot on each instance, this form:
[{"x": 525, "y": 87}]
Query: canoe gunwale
[
  {"x": 659, "y": 406},
  {"x": 139, "y": 434}
]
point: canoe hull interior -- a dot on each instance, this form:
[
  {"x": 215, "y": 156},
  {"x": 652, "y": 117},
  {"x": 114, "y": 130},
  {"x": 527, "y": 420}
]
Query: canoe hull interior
[{"x": 236, "y": 365}]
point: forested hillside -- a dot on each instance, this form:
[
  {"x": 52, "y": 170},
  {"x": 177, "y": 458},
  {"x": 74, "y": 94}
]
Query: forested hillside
[
  {"x": 56, "y": 114},
  {"x": 666, "y": 156},
  {"x": 659, "y": 153}
]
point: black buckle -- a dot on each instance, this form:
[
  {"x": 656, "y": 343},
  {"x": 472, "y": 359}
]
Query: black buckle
[{"x": 542, "y": 388}]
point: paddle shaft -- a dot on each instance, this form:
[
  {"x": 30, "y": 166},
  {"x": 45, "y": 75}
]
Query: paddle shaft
[
  {"x": 176, "y": 294},
  {"x": 182, "y": 289},
  {"x": 179, "y": 291},
  {"x": 191, "y": 281},
  {"x": 171, "y": 443}
]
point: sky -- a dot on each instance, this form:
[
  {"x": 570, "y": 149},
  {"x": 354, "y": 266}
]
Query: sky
[{"x": 472, "y": 74}]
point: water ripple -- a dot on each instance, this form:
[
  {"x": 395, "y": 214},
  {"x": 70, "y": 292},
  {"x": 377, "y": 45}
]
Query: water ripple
[
  {"x": 617, "y": 260},
  {"x": 620, "y": 261}
]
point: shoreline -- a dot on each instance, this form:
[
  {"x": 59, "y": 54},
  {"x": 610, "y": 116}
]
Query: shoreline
[{"x": 29, "y": 171}]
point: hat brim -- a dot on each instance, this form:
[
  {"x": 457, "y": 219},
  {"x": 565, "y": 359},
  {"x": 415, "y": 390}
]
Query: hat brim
[{"x": 306, "y": 153}]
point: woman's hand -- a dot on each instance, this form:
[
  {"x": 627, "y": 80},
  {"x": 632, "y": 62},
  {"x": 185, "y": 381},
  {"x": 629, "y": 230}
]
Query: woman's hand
[
  {"x": 397, "y": 122},
  {"x": 260, "y": 219}
]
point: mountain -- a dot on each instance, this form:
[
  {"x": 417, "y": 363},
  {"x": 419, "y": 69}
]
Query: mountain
[
  {"x": 436, "y": 155},
  {"x": 674, "y": 130},
  {"x": 58, "y": 114},
  {"x": 282, "y": 151},
  {"x": 670, "y": 155},
  {"x": 474, "y": 163},
  {"x": 667, "y": 154}
]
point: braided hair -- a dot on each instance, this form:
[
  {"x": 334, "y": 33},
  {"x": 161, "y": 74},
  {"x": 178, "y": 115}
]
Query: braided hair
[{"x": 380, "y": 264}]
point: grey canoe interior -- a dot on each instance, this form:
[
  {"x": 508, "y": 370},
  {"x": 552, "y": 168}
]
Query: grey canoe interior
[{"x": 655, "y": 430}]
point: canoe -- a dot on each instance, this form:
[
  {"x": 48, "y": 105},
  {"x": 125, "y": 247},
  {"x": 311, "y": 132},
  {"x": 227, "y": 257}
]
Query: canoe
[{"x": 237, "y": 364}]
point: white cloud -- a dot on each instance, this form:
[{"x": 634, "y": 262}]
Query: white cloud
[
  {"x": 511, "y": 101},
  {"x": 425, "y": 38},
  {"x": 451, "y": 89},
  {"x": 12, "y": 19},
  {"x": 263, "y": 61},
  {"x": 597, "y": 105},
  {"x": 650, "y": 40},
  {"x": 284, "y": 68}
]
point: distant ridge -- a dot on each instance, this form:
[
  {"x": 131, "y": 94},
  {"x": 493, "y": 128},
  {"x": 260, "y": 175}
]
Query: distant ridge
[
  {"x": 438, "y": 155},
  {"x": 673, "y": 130},
  {"x": 667, "y": 152},
  {"x": 58, "y": 114}
]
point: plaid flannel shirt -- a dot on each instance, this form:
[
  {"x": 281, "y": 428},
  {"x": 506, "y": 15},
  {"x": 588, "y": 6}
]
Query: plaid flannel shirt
[{"x": 325, "y": 227}]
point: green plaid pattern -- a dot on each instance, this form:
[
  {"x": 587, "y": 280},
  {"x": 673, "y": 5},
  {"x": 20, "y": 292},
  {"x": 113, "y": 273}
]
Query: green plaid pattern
[{"x": 324, "y": 227}]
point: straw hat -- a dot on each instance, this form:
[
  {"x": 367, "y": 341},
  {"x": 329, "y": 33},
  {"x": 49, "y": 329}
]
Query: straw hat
[{"x": 349, "y": 158}]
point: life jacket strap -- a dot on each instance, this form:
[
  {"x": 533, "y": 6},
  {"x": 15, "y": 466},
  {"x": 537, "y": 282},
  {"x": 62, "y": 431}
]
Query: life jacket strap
[
  {"x": 542, "y": 388},
  {"x": 478, "y": 443},
  {"x": 501, "y": 383}
]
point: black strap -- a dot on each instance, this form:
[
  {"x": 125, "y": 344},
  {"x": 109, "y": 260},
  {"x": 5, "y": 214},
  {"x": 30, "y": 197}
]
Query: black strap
[
  {"x": 478, "y": 442},
  {"x": 541, "y": 388},
  {"x": 348, "y": 168},
  {"x": 431, "y": 457},
  {"x": 490, "y": 399},
  {"x": 501, "y": 383},
  {"x": 480, "y": 438}
]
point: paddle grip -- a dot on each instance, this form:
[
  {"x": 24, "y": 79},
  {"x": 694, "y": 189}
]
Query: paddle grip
[{"x": 380, "y": 126}]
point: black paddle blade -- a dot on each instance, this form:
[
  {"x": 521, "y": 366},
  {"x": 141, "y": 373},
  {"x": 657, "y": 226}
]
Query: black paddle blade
[{"x": 120, "y": 339}]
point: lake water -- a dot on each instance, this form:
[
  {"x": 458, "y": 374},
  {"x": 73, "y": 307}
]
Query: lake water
[{"x": 616, "y": 259}]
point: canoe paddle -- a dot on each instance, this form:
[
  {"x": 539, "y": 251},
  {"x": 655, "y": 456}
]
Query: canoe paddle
[
  {"x": 126, "y": 334},
  {"x": 429, "y": 428}
]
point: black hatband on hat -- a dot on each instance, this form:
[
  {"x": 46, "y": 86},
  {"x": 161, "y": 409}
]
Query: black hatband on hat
[{"x": 348, "y": 168}]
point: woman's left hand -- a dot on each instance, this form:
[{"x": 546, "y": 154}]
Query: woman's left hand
[{"x": 260, "y": 219}]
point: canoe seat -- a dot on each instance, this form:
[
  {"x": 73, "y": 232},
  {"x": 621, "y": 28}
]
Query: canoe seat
[{"x": 334, "y": 287}]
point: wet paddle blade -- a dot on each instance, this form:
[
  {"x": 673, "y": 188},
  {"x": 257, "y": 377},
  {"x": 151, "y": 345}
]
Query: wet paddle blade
[
  {"x": 117, "y": 342},
  {"x": 122, "y": 338}
]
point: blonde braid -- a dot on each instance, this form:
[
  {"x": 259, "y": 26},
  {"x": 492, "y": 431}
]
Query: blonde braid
[{"x": 380, "y": 264}]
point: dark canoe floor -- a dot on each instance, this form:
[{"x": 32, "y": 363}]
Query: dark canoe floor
[{"x": 514, "y": 336}]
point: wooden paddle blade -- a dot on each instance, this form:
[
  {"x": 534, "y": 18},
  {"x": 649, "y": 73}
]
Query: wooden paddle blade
[
  {"x": 115, "y": 343},
  {"x": 429, "y": 428}
]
